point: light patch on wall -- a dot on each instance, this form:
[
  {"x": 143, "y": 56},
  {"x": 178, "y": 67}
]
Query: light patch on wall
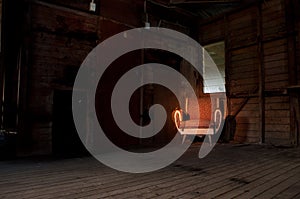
[{"x": 214, "y": 81}]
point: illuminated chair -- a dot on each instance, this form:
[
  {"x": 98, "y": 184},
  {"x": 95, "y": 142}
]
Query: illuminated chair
[{"x": 188, "y": 127}]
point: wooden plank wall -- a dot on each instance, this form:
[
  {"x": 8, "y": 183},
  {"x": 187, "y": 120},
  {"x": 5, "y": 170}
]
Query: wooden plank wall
[
  {"x": 59, "y": 36},
  {"x": 256, "y": 68},
  {"x": 297, "y": 29},
  {"x": 63, "y": 33},
  {"x": 1, "y": 55},
  {"x": 298, "y": 51},
  {"x": 239, "y": 32},
  {"x": 60, "y": 39},
  {"x": 0, "y": 14},
  {"x": 277, "y": 106},
  {"x": 10, "y": 50},
  {"x": 242, "y": 47}
]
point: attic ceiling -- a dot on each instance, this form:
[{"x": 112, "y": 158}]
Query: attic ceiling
[{"x": 203, "y": 9}]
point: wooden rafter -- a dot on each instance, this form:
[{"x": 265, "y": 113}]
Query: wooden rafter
[{"x": 173, "y": 2}]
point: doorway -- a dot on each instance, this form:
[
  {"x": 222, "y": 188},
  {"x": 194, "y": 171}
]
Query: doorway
[{"x": 65, "y": 140}]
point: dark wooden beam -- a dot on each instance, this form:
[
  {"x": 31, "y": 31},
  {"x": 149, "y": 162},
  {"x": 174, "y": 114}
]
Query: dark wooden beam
[
  {"x": 75, "y": 5},
  {"x": 261, "y": 72},
  {"x": 292, "y": 67},
  {"x": 172, "y": 14},
  {"x": 11, "y": 43},
  {"x": 227, "y": 63},
  {"x": 178, "y": 2},
  {"x": 168, "y": 7}
]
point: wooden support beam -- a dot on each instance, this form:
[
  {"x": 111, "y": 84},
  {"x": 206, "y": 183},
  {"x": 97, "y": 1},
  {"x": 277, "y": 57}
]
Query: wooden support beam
[
  {"x": 227, "y": 63},
  {"x": 2, "y": 71},
  {"x": 245, "y": 101},
  {"x": 261, "y": 73},
  {"x": 11, "y": 42},
  {"x": 292, "y": 67},
  {"x": 177, "y": 2}
]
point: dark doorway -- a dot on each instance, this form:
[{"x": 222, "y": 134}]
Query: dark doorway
[{"x": 65, "y": 140}]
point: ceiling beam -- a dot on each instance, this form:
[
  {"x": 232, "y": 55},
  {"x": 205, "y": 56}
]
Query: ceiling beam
[
  {"x": 174, "y": 7},
  {"x": 176, "y": 2}
]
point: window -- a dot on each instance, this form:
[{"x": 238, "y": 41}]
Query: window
[{"x": 214, "y": 68}]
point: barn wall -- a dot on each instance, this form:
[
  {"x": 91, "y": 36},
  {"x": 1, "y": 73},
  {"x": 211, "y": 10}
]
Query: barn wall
[
  {"x": 275, "y": 48},
  {"x": 63, "y": 33},
  {"x": 257, "y": 70},
  {"x": 1, "y": 13},
  {"x": 59, "y": 35},
  {"x": 239, "y": 31},
  {"x": 60, "y": 39},
  {"x": 297, "y": 42}
]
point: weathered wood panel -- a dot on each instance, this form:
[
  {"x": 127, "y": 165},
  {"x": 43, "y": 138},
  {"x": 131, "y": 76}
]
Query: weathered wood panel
[
  {"x": 298, "y": 60},
  {"x": 247, "y": 129},
  {"x": 76, "y": 4},
  {"x": 277, "y": 113},
  {"x": 114, "y": 28},
  {"x": 297, "y": 28},
  {"x": 276, "y": 65},
  {"x": 60, "y": 40},
  {"x": 59, "y": 20},
  {"x": 118, "y": 9},
  {"x": 273, "y": 19},
  {"x": 11, "y": 39},
  {"x": 212, "y": 32},
  {"x": 54, "y": 65},
  {"x": 62, "y": 33},
  {"x": 242, "y": 28},
  {"x": 243, "y": 71},
  {"x": 240, "y": 31},
  {"x": 298, "y": 56},
  {"x": 243, "y": 58}
]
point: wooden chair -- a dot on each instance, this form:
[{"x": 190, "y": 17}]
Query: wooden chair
[{"x": 191, "y": 127}]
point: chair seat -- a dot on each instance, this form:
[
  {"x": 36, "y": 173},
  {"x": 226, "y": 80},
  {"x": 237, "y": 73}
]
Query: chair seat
[
  {"x": 197, "y": 127},
  {"x": 197, "y": 131},
  {"x": 195, "y": 124}
]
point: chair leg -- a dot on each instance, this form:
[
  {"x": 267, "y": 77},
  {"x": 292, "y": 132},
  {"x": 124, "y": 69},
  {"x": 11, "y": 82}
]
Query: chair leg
[
  {"x": 183, "y": 139},
  {"x": 210, "y": 141}
]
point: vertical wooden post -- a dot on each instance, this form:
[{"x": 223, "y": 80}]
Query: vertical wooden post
[
  {"x": 227, "y": 64},
  {"x": 2, "y": 80},
  {"x": 2, "y": 65},
  {"x": 292, "y": 68},
  {"x": 24, "y": 134},
  {"x": 261, "y": 72}
]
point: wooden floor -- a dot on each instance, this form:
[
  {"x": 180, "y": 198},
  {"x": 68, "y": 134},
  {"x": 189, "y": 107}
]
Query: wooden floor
[{"x": 230, "y": 171}]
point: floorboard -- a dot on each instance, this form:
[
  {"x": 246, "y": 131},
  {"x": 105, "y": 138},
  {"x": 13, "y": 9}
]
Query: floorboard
[{"x": 229, "y": 171}]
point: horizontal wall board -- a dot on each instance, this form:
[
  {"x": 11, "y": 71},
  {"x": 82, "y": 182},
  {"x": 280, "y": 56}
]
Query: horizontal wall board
[
  {"x": 277, "y": 113},
  {"x": 129, "y": 12},
  {"x": 276, "y": 78},
  {"x": 276, "y": 121},
  {"x": 278, "y": 128},
  {"x": 211, "y": 32},
  {"x": 242, "y": 28},
  {"x": 277, "y": 106},
  {"x": 75, "y": 4},
  {"x": 61, "y": 21},
  {"x": 277, "y": 135}
]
